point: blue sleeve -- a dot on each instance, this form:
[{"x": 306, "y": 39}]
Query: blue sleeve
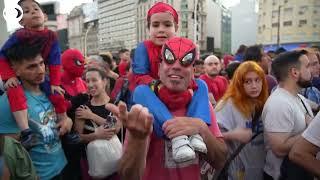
[
  {"x": 9, "y": 43},
  {"x": 199, "y": 106},
  {"x": 146, "y": 97},
  {"x": 54, "y": 56},
  {"x": 140, "y": 63}
]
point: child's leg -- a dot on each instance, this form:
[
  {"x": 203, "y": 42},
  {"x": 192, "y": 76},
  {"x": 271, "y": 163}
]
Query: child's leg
[
  {"x": 145, "y": 96},
  {"x": 18, "y": 105},
  {"x": 58, "y": 101},
  {"x": 199, "y": 106}
]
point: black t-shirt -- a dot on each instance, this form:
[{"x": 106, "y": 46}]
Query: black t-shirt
[{"x": 98, "y": 110}]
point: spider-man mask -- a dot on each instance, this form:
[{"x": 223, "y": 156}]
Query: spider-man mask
[
  {"x": 73, "y": 62},
  {"x": 181, "y": 49}
]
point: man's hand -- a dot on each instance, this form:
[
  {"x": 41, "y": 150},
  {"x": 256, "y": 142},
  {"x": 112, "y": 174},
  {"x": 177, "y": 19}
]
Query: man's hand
[
  {"x": 64, "y": 125},
  {"x": 57, "y": 89},
  {"x": 83, "y": 112},
  {"x": 11, "y": 82},
  {"x": 138, "y": 121},
  {"x": 183, "y": 126},
  {"x": 103, "y": 133}
]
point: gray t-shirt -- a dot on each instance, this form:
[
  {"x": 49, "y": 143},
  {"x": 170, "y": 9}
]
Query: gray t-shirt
[
  {"x": 249, "y": 163},
  {"x": 282, "y": 113},
  {"x": 312, "y": 133}
]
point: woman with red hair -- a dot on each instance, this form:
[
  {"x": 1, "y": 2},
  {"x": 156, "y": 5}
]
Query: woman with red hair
[{"x": 238, "y": 115}]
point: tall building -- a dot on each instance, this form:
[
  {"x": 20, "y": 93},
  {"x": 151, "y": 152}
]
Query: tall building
[
  {"x": 288, "y": 23},
  {"x": 187, "y": 24},
  {"x": 117, "y": 24},
  {"x": 4, "y": 33},
  {"x": 243, "y": 15},
  {"x": 83, "y": 28},
  {"x": 218, "y": 27}
]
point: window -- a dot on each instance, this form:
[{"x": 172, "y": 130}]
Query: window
[
  {"x": 302, "y": 22},
  {"x": 275, "y": 14},
  {"x": 275, "y": 24},
  {"x": 302, "y": 10},
  {"x": 287, "y": 23}
]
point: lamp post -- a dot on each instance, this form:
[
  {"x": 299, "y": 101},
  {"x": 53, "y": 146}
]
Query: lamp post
[
  {"x": 90, "y": 25},
  {"x": 278, "y": 30}
]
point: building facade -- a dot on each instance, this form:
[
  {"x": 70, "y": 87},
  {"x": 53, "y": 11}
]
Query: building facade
[
  {"x": 288, "y": 23},
  {"x": 218, "y": 27},
  {"x": 117, "y": 24},
  {"x": 189, "y": 27},
  {"x": 83, "y": 28},
  {"x": 243, "y": 15}
]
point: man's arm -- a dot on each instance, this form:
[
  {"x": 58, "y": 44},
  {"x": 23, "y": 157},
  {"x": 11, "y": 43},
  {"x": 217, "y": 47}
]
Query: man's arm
[
  {"x": 217, "y": 149},
  {"x": 281, "y": 143},
  {"x": 304, "y": 154},
  {"x": 139, "y": 127}
]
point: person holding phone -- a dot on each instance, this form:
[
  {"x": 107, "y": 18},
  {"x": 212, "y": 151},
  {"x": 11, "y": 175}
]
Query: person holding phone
[{"x": 93, "y": 121}]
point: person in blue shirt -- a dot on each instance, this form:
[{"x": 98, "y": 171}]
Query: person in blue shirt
[{"x": 46, "y": 154}]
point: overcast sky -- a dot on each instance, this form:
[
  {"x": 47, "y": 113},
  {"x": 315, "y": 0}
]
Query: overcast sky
[{"x": 67, "y": 5}]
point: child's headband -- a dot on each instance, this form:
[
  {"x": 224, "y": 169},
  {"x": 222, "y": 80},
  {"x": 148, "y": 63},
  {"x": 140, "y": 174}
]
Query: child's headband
[{"x": 162, "y": 7}]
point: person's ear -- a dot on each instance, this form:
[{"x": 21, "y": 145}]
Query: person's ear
[
  {"x": 16, "y": 68},
  {"x": 21, "y": 22}
]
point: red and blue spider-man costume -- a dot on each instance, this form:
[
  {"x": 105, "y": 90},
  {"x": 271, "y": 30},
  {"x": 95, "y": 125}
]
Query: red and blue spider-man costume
[
  {"x": 145, "y": 66},
  {"x": 50, "y": 53}
]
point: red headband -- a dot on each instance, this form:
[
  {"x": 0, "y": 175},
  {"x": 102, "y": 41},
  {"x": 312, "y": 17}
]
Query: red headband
[{"x": 162, "y": 7}]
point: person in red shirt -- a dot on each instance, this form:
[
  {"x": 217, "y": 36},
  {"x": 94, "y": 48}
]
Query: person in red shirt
[
  {"x": 148, "y": 156},
  {"x": 217, "y": 85},
  {"x": 125, "y": 60}
]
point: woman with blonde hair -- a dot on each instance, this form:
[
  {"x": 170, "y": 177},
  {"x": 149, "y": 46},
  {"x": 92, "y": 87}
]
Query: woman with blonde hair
[{"x": 238, "y": 114}]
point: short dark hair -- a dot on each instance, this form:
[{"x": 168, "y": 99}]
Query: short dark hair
[
  {"x": 21, "y": 1},
  {"x": 123, "y": 51},
  {"x": 280, "y": 50},
  {"x": 22, "y": 51},
  {"x": 284, "y": 62},
  {"x": 242, "y": 48},
  {"x": 132, "y": 52},
  {"x": 231, "y": 68},
  {"x": 198, "y": 62},
  {"x": 253, "y": 53}
]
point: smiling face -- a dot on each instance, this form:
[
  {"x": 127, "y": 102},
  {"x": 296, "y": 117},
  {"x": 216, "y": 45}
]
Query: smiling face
[
  {"x": 162, "y": 27},
  {"x": 96, "y": 84},
  {"x": 33, "y": 17}
]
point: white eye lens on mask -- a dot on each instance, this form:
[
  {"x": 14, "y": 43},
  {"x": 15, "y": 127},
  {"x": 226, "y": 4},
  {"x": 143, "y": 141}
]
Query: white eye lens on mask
[{"x": 168, "y": 56}]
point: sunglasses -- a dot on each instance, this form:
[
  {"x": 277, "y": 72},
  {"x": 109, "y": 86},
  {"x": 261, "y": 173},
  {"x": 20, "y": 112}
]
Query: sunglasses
[{"x": 185, "y": 61}]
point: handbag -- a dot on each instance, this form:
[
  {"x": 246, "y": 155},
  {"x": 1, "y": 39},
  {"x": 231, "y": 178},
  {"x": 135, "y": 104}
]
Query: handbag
[
  {"x": 223, "y": 174},
  {"x": 103, "y": 156}
]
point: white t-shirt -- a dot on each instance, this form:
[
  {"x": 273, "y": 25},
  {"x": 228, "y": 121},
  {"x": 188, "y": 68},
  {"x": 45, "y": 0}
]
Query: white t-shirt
[
  {"x": 312, "y": 133},
  {"x": 249, "y": 163},
  {"x": 282, "y": 113}
]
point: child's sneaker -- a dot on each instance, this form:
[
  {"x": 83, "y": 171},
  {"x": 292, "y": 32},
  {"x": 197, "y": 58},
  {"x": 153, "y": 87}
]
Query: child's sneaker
[
  {"x": 197, "y": 143},
  {"x": 182, "y": 150}
]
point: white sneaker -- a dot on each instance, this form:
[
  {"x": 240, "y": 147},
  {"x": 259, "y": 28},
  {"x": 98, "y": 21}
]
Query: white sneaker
[
  {"x": 197, "y": 143},
  {"x": 181, "y": 149}
]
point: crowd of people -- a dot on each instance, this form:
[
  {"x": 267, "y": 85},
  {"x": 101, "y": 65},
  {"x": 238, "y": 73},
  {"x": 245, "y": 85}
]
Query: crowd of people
[{"x": 161, "y": 111}]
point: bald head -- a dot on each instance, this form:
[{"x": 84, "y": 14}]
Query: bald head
[{"x": 212, "y": 65}]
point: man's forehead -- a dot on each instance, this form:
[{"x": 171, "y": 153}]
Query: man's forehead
[{"x": 211, "y": 59}]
